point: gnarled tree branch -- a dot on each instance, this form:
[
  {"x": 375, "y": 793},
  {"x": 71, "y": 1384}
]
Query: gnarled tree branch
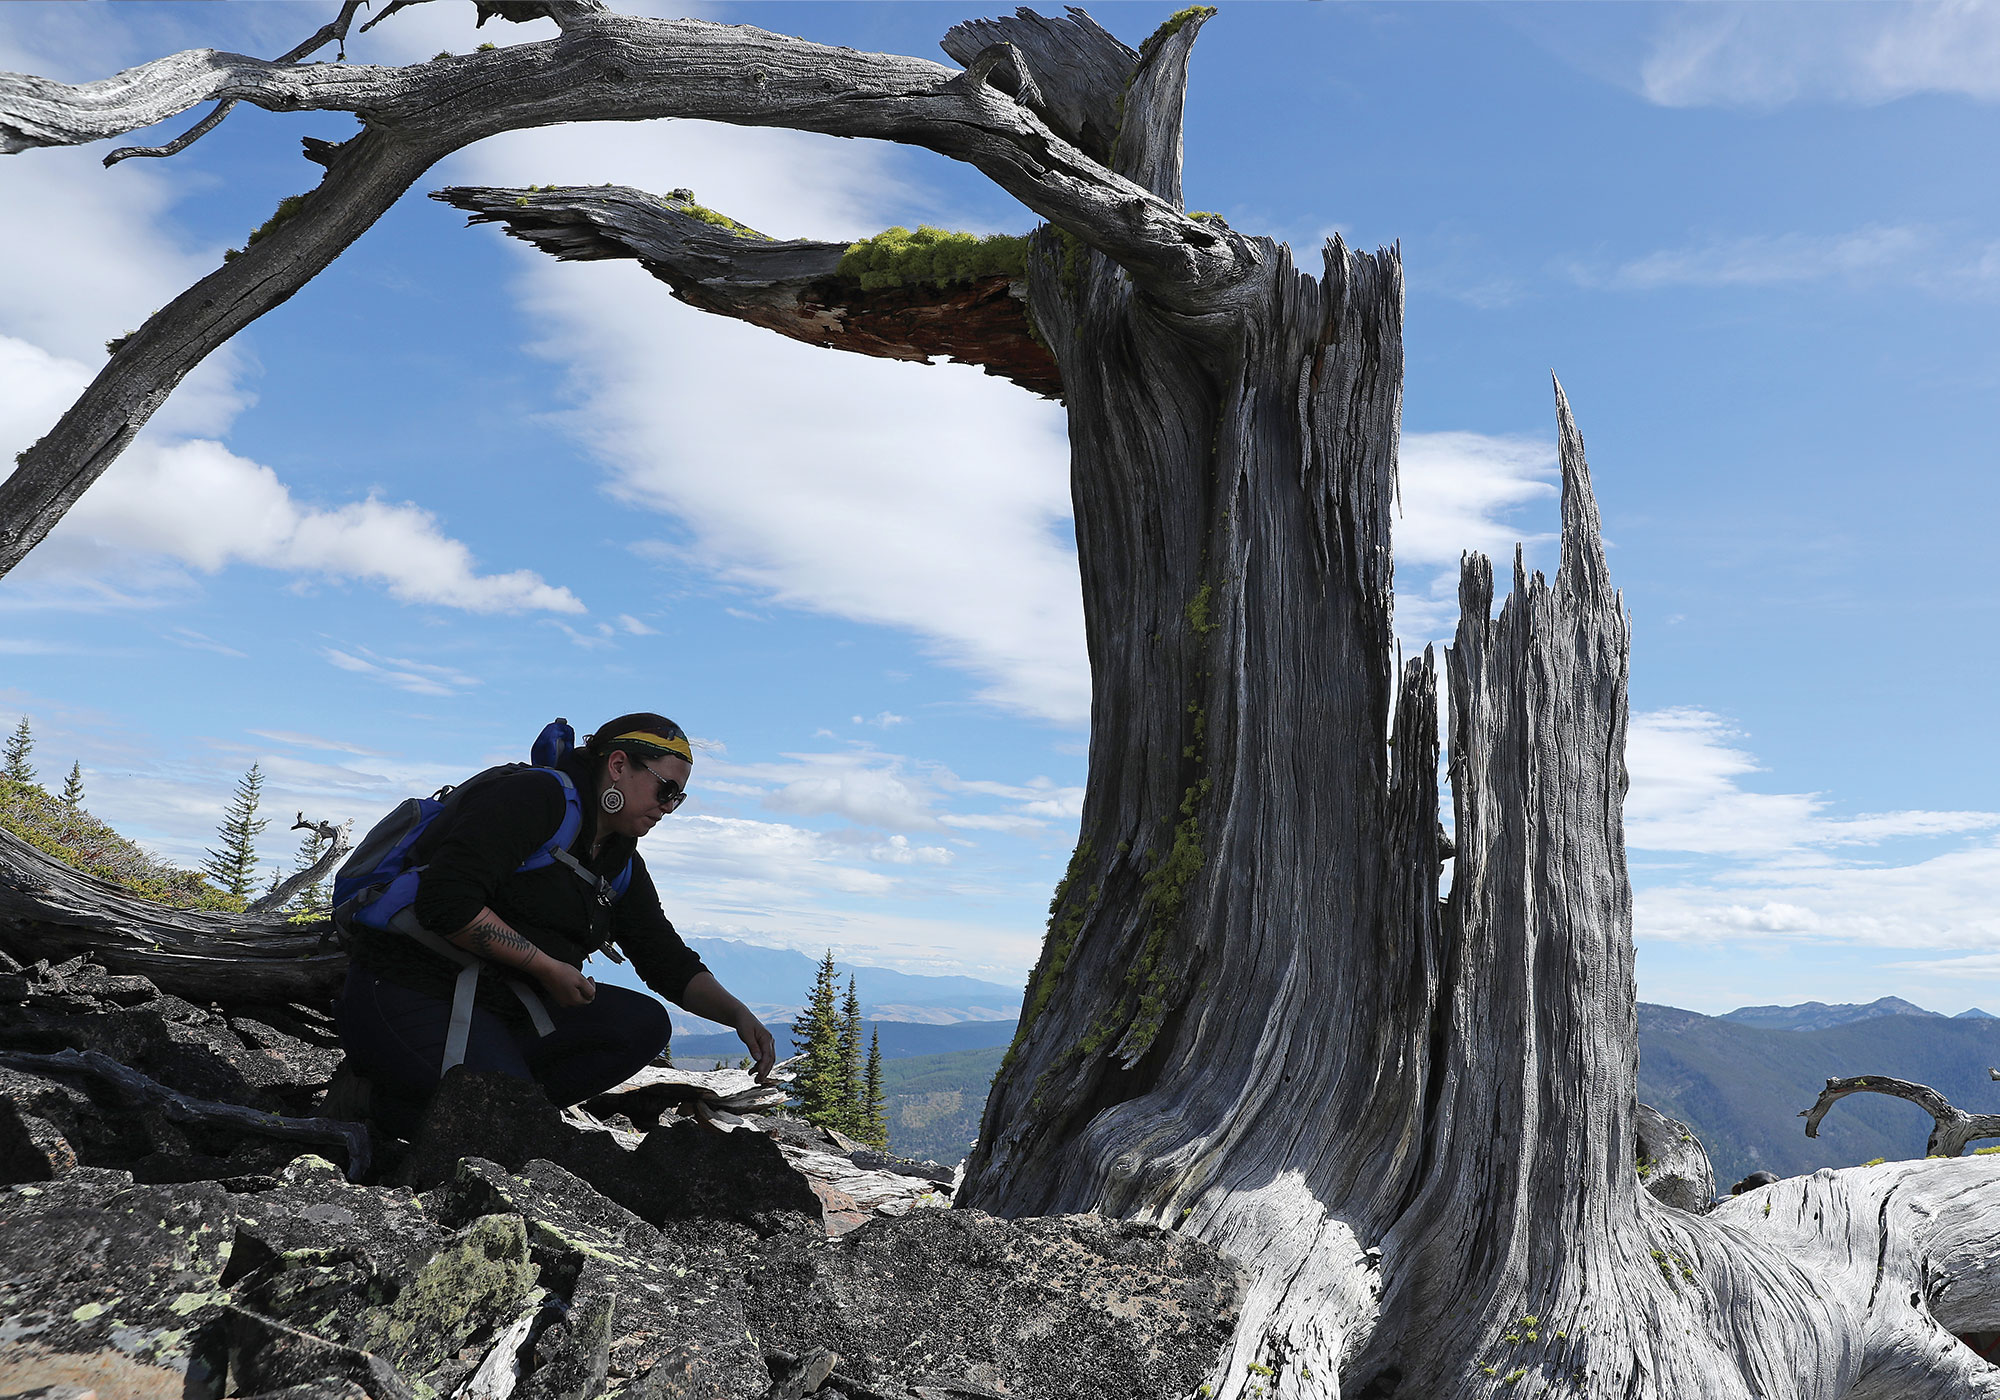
[
  {"x": 332, "y": 32},
  {"x": 603, "y": 67},
  {"x": 336, "y": 847},
  {"x": 1954, "y": 1127},
  {"x": 793, "y": 287}
]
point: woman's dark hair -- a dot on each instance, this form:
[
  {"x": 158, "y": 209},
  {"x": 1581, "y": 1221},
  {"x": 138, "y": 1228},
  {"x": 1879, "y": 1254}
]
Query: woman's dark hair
[{"x": 642, "y": 737}]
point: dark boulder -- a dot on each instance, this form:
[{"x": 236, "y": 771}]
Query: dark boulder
[
  {"x": 1672, "y": 1162},
  {"x": 1753, "y": 1181},
  {"x": 681, "y": 1172},
  {"x": 959, "y": 1302}
]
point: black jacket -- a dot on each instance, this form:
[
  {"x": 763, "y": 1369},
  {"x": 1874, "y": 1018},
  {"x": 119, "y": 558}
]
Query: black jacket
[{"x": 471, "y": 853}]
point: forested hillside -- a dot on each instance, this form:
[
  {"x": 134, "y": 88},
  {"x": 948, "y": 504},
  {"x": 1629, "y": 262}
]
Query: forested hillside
[{"x": 1741, "y": 1088}]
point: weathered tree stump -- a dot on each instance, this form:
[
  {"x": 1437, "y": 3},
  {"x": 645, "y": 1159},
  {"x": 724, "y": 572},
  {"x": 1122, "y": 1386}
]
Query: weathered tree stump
[{"x": 1252, "y": 1019}]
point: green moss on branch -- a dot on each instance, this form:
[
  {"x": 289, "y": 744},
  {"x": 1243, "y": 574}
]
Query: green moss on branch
[
  {"x": 1175, "y": 22},
  {"x": 898, "y": 257},
  {"x": 683, "y": 202},
  {"x": 287, "y": 209},
  {"x": 1065, "y": 924}
]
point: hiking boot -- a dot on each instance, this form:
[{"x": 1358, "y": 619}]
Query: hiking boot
[{"x": 348, "y": 1096}]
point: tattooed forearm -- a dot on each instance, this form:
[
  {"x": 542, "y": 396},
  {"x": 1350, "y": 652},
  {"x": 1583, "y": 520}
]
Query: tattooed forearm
[{"x": 491, "y": 939}]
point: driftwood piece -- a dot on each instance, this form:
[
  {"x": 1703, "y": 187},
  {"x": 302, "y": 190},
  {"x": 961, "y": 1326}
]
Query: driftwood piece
[
  {"x": 136, "y": 1087},
  {"x": 1953, "y": 1128},
  {"x": 336, "y": 839},
  {"x": 49, "y": 910},
  {"x": 793, "y": 287}
]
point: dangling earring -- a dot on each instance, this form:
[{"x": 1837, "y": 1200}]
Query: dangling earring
[{"x": 612, "y": 801}]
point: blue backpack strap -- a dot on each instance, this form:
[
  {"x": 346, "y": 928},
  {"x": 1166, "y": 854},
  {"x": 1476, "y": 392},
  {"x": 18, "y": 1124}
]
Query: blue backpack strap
[{"x": 566, "y": 830}]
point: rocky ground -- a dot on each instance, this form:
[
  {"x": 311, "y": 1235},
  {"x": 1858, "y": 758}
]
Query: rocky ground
[{"x": 175, "y": 1221}]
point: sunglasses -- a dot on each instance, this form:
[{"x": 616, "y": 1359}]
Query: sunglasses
[{"x": 670, "y": 795}]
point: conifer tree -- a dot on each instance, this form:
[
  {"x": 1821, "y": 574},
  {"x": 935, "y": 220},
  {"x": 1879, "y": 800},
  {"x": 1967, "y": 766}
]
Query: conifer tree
[
  {"x": 874, "y": 1116},
  {"x": 72, "y": 793},
  {"x": 234, "y": 867},
  {"x": 816, "y": 1036},
  {"x": 312, "y": 901},
  {"x": 852, "y": 1119},
  {"x": 19, "y": 745}
]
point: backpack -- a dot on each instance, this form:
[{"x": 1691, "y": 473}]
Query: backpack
[{"x": 377, "y": 885}]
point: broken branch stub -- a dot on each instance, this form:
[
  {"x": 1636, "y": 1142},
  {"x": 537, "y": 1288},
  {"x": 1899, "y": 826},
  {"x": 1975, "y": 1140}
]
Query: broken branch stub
[{"x": 795, "y": 286}]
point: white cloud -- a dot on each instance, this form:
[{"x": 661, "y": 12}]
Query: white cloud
[
  {"x": 194, "y": 502},
  {"x": 897, "y": 850},
  {"x": 931, "y": 499},
  {"x": 417, "y": 677},
  {"x": 866, "y": 796},
  {"x": 1770, "y": 54},
  {"x": 1779, "y": 867},
  {"x": 1932, "y": 259},
  {"x": 1686, "y": 796},
  {"x": 1462, "y": 491}
]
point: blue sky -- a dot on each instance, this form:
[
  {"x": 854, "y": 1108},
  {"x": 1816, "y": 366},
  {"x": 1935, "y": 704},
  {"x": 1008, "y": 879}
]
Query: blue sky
[{"x": 454, "y": 488}]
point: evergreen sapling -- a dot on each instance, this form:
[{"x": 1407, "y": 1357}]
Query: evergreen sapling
[
  {"x": 20, "y": 744},
  {"x": 234, "y": 867}
]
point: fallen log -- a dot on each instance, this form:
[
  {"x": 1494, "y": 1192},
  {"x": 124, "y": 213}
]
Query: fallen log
[{"x": 50, "y": 911}]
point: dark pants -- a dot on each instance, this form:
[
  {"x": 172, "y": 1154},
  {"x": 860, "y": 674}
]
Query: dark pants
[{"x": 395, "y": 1038}]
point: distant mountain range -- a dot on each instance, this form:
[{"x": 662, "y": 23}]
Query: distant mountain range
[
  {"x": 1818, "y": 1016},
  {"x": 774, "y": 983},
  {"x": 1742, "y": 1086},
  {"x": 1740, "y": 1080}
]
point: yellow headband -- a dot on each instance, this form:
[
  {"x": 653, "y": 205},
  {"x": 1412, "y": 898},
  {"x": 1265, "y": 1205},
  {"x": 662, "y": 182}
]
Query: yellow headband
[{"x": 673, "y": 746}]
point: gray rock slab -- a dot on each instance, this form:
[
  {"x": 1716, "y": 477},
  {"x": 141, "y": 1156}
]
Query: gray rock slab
[{"x": 959, "y": 1302}]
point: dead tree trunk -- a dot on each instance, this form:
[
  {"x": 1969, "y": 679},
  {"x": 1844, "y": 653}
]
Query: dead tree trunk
[{"x": 1252, "y": 1018}]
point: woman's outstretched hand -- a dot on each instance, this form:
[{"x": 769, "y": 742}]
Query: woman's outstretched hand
[{"x": 757, "y": 1039}]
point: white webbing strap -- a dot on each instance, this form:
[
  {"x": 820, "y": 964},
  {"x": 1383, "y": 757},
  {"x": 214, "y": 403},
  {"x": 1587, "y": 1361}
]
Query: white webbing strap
[{"x": 465, "y": 989}]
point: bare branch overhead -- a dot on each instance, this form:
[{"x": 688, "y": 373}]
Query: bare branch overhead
[
  {"x": 603, "y": 67},
  {"x": 616, "y": 68}
]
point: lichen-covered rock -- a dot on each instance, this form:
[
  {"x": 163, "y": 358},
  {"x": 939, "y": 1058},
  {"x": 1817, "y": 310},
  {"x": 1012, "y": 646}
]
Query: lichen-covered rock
[
  {"x": 673, "y": 1295},
  {"x": 960, "y": 1302},
  {"x": 265, "y": 1355},
  {"x": 100, "y": 1275},
  {"x": 310, "y": 1214}
]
